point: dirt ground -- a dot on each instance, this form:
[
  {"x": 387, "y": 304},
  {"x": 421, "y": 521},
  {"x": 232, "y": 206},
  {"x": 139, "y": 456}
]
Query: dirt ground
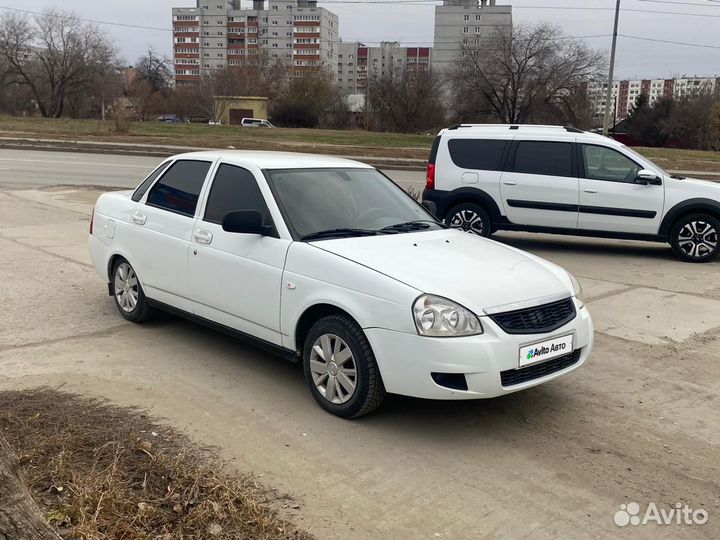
[{"x": 638, "y": 423}]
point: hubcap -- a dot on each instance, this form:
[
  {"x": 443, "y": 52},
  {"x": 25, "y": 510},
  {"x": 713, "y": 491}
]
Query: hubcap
[
  {"x": 468, "y": 221},
  {"x": 126, "y": 288},
  {"x": 333, "y": 369},
  {"x": 698, "y": 239}
]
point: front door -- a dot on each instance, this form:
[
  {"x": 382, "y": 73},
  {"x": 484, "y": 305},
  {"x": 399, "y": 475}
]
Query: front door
[
  {"x": 540, "y": 185},
  {"x": 610, "y": 200},
  {"x": 236, "y": 279}
]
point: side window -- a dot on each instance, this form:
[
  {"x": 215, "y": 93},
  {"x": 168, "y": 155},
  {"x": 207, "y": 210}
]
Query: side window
[
  {"x": 149, "y": 181},
  {"x": 179, "y": 188},
  {"x": 546, "y": 158},
  {"x": 234, "y": 188},
  {"x": 484, "y": 155},
  {"x": 602, "y": 163}
]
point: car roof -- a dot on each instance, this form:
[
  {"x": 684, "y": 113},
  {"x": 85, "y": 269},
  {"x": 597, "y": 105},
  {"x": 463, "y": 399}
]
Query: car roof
[
  {"x": 518, "y": 131},
  {"x": 276, "y": 160}
]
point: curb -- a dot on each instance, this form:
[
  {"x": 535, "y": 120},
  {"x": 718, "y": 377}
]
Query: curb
[{"x": 101, "y": 147}]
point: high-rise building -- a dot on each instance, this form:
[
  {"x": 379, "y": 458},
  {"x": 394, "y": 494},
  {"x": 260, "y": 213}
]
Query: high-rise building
[
  {"x": 467, "y": 24},
  {"x": 358, "y": 64},
  {"x": 219, "y": 33},
  {"x": 626, "y": 92}
]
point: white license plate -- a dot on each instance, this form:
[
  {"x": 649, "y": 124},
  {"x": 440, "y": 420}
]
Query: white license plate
[{"x": 546, "y": 350}]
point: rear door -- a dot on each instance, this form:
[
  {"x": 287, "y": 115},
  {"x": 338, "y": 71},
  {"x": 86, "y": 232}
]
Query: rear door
[
  {"x": 236, "y": 279},
  {"x": 610, "y": 200},
  {"x": 540, "y": 184},
  {"x": 160, "y": 230}
]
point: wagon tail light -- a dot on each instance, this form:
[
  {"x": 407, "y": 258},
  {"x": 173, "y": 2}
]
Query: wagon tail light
[{"x": 430, "y": 184}]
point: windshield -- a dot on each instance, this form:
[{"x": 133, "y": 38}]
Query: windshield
[
  {"x": 345, "y": 202},
  {"x": 657, "y": 168}
]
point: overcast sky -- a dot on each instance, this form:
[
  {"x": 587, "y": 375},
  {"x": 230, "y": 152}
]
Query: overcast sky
[{"x": 413, "y": 24}]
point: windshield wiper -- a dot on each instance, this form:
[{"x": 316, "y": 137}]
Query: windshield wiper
[
  {"x": 417, "y": 225},
  {"x": 338, "y": 233},
  {"x": 678, "y": 177}
]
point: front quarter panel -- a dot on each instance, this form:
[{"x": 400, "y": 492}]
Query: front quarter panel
[{"x": 314, "y": 276}]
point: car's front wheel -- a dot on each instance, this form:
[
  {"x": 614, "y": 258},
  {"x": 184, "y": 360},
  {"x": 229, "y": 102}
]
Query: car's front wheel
[
  {"x": 340, "y": 368},
  {"x": 694, "y": 238},
  {"x": 128, "y": 293},
  {"x": 471, "y": 218}
]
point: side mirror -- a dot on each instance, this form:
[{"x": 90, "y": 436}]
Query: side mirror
[
  {"x": 244, "y": 222},
  {"x": 645, "y": 177},
  {"x": 430, "y": 206}
]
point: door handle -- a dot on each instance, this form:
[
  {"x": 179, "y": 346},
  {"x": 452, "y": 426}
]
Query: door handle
[
  {"x": 203, "y": 237},
  {"x": 139, "y": 218},
  {"x": 510, "y": 183},
  {"x": 591, "y": 191}
]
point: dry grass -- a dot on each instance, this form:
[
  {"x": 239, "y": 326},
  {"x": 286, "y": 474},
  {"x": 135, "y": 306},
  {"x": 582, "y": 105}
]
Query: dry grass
[
  {"x": 339, "y": 142},
  {"x": 107, "y": 472}
]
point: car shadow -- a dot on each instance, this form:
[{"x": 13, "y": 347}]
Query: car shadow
[
  {"x": 250, "y": 365},
  {"x": 586, "y": 246}
]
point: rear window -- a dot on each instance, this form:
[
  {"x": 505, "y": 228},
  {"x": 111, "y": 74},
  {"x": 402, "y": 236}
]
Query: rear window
[
  {"x": 179, "y": 188},
  {"x": 434, "y": 150},
  {"x": 481, "y": 154},
  {"x": 149, "y": 181},
  {"x": 546, "y": 158}
]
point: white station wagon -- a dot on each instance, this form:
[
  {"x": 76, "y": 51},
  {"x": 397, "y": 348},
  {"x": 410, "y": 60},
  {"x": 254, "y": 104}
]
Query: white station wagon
[{"x": 328, "y": 262}]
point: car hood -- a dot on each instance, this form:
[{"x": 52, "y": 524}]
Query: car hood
[
  {"x": 475, "y": 272},
  {"x": 701, "y": 184}
]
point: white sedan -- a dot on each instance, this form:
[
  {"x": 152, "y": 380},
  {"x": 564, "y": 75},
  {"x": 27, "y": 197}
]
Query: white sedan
[{"x": 328, "y": 262}]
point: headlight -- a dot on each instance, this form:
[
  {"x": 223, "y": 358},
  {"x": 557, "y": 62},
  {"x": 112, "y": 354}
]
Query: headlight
[
  {"x": 439, "y": 317},
  {"x": 577, "y": 289}
]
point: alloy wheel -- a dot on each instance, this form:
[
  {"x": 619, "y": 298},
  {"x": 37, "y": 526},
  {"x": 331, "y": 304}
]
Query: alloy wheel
[
  {"x": 468, "y": 221},
  {"x": 333, "y": 369},
  {"x": 126, "y": 288},
  {"x": 698, "y": 239}
]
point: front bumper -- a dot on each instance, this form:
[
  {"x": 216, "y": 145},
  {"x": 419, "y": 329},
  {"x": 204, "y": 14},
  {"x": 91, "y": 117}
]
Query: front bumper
[{"x": 406, "y": 361}]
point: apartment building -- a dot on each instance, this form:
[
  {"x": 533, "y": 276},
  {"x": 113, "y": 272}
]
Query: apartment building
[
  {"x": 358, "y": 64},
  {"x": 467, "y": 24},
  {"x": 626, "y": 92},
  {"x": 219, "y": 33}
]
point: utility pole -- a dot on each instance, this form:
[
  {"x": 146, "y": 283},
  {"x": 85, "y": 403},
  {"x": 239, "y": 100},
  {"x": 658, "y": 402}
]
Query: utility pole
[{"x": 611, "y": 75}]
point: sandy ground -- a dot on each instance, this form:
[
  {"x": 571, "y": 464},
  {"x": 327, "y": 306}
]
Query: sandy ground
[{"x": 638, "y": 423}]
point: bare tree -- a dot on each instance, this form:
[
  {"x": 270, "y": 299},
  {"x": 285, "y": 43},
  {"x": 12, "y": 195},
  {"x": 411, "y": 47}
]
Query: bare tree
[
  {"x": 54, "y": 55},
  {"x": 523, "y": 74},
  {"x": 155, "y": 70},
  {"x": 407, "y": 101}
]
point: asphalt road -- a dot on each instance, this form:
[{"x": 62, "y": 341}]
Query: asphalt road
[
  {"x": 638, "y": 423},
  {"x": 22, "y": 168}
]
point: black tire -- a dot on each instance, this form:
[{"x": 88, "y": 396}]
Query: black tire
[
  {"x": 471, "y": 218},
  {"x": 694, "y": 238},
  {"x": 369, "y": 390},
  {"x": 141, "y": 310}
]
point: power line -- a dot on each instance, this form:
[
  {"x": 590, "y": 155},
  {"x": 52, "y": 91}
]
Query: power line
[
  {"x": 80, "y": 19},
  {"x": 704, "y": 46},
  {"x": 679, "y": 3}
]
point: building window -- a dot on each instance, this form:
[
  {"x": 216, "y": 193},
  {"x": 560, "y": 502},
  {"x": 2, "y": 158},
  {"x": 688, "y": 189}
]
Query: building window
[
  {"x": 467, "y": 17},
  {"x": 466, "y": 30}
]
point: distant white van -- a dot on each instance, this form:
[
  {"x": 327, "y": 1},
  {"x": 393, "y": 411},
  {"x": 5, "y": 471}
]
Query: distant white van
[{"x": 255, "y": 122}]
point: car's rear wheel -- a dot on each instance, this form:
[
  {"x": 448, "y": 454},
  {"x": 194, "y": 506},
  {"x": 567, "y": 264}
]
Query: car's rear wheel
[
  {"x": 128, "y": 293},
  {"x": 340, "y": 368},
  {"x": 694, "y": 238},
  {"x": 471, "y": 218}
]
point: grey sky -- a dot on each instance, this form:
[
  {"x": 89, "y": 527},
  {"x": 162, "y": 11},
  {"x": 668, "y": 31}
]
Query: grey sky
[{"x": 413, "y": 24}]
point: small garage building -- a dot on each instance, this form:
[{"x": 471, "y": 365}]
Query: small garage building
[{"x": 232, "y": 109}]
